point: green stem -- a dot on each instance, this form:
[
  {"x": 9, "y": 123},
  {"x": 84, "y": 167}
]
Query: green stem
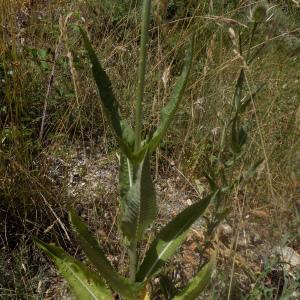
[
  {"x": 141, "y": 72},
  {"x": 251, "y": 40},
  {"x": 132, "y": 252}
]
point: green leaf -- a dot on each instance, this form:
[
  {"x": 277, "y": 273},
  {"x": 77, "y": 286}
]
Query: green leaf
[
  {"x": 98, "y": 259},
  {"x": 238, "y": 135},
  {"x": 127, "y": 134},
  {"x": 167, "y": 287},
  {"x": 125, "y": 181},
  {"x": 220, "y": 216},
  {"x": 42, "y": 54},
  {"x": 141, "y": 206},
  {"x": 245, "y": 102},
  {"x": 213, "y": 185},
  {"x": 199, "y": 282},
  {"x": 168, "y": 112},
  {"x": 170, "y": 238},
  {"x": 242, "y": 136},
  {"x": 238, "y": 91},
  {"x": 139, "y": 155},
  {"x": 251, "y": 171},
  {"x": 124, "y": 134},
  {"x": 84, "y": 283},
  {"x": 235, "y": 146}
]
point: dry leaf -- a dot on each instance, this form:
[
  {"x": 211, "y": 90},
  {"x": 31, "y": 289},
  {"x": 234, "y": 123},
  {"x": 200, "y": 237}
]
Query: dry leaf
[{"x": 260, "y": 213}]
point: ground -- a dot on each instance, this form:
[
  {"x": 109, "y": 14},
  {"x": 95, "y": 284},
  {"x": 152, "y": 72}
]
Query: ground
[{"x": 75, "y": 163}]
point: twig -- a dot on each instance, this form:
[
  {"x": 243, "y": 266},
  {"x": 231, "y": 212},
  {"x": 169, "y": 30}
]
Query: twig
[{"x": 57, "y": 218}]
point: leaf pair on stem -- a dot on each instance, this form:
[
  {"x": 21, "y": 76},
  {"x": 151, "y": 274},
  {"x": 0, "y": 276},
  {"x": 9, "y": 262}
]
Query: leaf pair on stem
[{"x": 137, "y": 198}]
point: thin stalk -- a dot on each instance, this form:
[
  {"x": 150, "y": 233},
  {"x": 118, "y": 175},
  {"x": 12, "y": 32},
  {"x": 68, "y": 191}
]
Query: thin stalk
[
  {"x": 132, "y": 249},
  {"x": 251, "y": 40},
  {"x": 132, "y": 252},
  {"x": 141, "y": 73}
]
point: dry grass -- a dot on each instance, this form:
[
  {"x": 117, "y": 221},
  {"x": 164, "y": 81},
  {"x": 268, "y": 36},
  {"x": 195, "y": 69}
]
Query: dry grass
[{"x": 42, "y": 61}]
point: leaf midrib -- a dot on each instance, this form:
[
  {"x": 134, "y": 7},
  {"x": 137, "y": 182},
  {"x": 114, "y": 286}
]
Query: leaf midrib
[{"x": 82, "y": 282}]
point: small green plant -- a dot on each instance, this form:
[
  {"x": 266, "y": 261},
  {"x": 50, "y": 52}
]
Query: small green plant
[
  {"x": 138, "y": 206},
  {"x": 221, "y": 169}
]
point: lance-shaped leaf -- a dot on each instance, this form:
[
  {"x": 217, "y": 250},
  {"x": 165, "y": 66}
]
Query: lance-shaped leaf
[
  {"x": 168, "y": 112},
  {"x": 212, "y": 183},
  {"x": 238, "y": 91},
  {"x": 170, "y": 238},
  {"x": 199, "y": 282},
  {"x": 251, "y": 171},
  {"x": 124, "y": 134},
  {"x": 85, "y": 284},
  {"x": 235, "y": 130},
  {"x": 167, "y": 286},
  {"x": 98, "y": 259},
  {"x": 141, "y": 206},
  {"x": 242, "y": 136},
  {"x": 245, "y": 102},
  {"x": 125, "y": 181}
]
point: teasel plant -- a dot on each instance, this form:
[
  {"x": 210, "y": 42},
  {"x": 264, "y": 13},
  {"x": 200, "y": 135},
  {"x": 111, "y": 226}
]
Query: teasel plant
[
  {"x": 232, "y": 146},
  {"x": 138, "y": 207}
]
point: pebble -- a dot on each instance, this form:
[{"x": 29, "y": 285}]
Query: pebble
[{"x": 288, "y": 256}]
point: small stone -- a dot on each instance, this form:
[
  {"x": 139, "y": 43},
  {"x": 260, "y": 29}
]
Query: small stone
[
  {"x": 225, "y": 229},
  {"x": 243, "y": 242},
  {"x": 225, "y": 232},
  {"x": 256, "y": 239},
  {"x": 215, "y": 131},
  {"x": 288, "y": 256}
]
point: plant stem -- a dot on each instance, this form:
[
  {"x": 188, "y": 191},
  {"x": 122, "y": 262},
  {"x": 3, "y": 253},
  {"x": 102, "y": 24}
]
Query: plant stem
[
  {"x": 141, "y": 72},
  {"x": 132, "y": 252},
  {"x": 251, "y": 39}
]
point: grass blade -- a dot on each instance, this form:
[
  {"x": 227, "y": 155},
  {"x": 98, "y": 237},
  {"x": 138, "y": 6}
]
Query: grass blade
[{"x": 85, "y": 284}]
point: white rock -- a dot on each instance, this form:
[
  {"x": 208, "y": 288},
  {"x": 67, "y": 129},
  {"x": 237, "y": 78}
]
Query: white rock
[
  {"x": 288, "y": 256},
  {"x": 189, "y": 202}
]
